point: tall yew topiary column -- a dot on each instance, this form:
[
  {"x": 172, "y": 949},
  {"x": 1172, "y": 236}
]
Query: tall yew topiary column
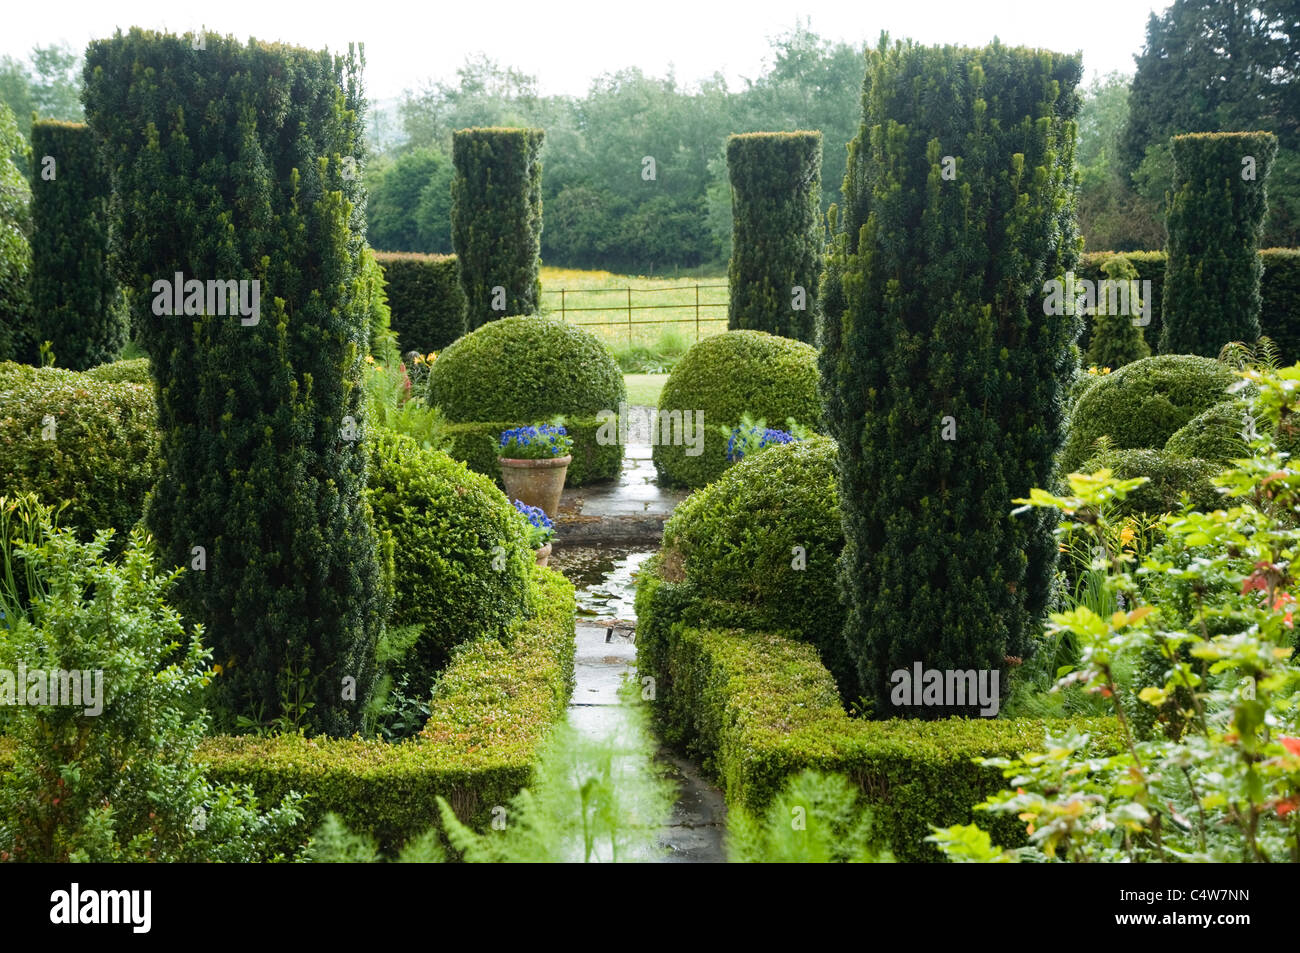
[
  {"x": 76, "y": 304},
  {"x": 776, "y": 234},
  {"x": 236, "y": 163},
  {"x": 943, "y": 377},
  {"x": 1216, "y": 216},
  {"x": 496, "y": 220}
]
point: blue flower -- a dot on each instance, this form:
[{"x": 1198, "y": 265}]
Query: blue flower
[{"x": 535, "y": 514}]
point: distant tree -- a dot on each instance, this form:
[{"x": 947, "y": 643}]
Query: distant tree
[{"x": 410, "y": 203}]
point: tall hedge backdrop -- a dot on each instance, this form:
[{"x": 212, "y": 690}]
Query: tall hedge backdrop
[
  {"x": 776, "y": 235},
  {"x": 1216, "y": 217},
  {"x": 496, "y": 220},
  {"x": 944, "y": 379},
  {"x": 76, "y": 304},
  {"x": 228, "y": 164}
]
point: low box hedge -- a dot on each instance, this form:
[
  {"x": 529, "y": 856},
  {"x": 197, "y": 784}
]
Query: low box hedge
[
  {"x": 491, "y": 710},
  {"x": 476, "y": 445}
]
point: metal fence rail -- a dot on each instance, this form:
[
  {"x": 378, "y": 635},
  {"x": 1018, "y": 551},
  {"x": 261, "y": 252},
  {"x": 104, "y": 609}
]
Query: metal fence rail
[{"x": 565, "y": 308}]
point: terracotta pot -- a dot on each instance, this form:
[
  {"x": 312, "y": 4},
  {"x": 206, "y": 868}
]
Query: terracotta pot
[
  {"x": 536, "y": 482},
  {"x": 544, "y": 555}
]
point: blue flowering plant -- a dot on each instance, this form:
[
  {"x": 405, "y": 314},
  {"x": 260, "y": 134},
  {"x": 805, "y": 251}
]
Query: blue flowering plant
[
  {"x": 751, "y": 436},
  {"x": 540, "y": 527},
  {"x": 536, "y": 442}
]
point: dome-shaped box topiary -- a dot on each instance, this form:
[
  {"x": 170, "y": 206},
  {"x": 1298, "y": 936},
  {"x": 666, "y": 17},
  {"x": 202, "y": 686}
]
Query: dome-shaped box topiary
[
  {"x": 460, "y": 551},
  {"x": 1168, "y": 477},
  {"x": 1215, "y": 434},
  {"x": 722, "y": 378},
  {"x": 758, "y": 549},
  {"x": 66, "y": 436},
  {"x": 1142, "y": 404},
  {"x": 133, "y": 371}
]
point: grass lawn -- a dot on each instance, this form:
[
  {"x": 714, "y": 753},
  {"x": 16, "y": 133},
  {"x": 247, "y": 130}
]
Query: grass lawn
[{"x": 644, "y": 389}]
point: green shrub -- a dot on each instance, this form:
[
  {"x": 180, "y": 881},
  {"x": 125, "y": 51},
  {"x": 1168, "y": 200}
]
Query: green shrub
[
  {"x": 76, "y": 304},
  {"x": 759, "y": 548},
  {"x": 426, "y": 299},
  {"x": 1168, "y": 476},
  {"x": 1140, "y": 406},
  {"x": 373, "y": 294},
  {"x": 1116, "y": 340},
  {"x": 1214, "y": 434},
  {"x": 15, "y": 251},
  {"x": 724, "y": 377},
  {"x": 1216, "y": 215},
  {"x": 68, "y": 437},
  {"x": 525, "y": 369},
  {"x": 231, "y": 164},
  {"x": 460, "y": 550},
  {"x": 477, "y": 445},
  {"x": 134, "y": 371},
  {"x": 776, "y": 232},
  {"x": 496, "y": 220},
  {"x": 945, "y": 385}
]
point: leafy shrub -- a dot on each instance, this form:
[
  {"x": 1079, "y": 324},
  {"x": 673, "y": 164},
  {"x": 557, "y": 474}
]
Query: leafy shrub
[
  {"x": 725, "y": 377},
  {"x": 1149, "y": 265},
  {"x": 76, "y": 304},
  {"x": 1168, "y": 477},
  {"x": 134, "y": 371},
  {"x": 816, "y": 819},
  {"x": 1116, "y": 340},
  {"x": 392, "y": 404},
  {"x": 426, "y": 299},
  {"x": 69, "y": 437},
  {"x": 759, "y": 548},
  {"x": 373, "y": 294},
  {"x": 1215, "y": 434},
  {"x": 496, "y": 219},
  {"x": 478, "y": 445},
  {"x": 15, "y": 251},
  {"x": 944, "y": 384},
  {"x": 1216, "y": 217},
  {"x": 776, "y": 236},
  {"x": 257, "y": 470},
  {"x": 333, "y": 843},
  {"x": 114, "y": 777},
  {"x": 525, "y": 368},
  {"x": 1142, "y": 404},
  {"x": 460, "y": 550}
]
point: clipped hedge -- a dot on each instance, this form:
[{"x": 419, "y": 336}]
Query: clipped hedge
[
  {"x": 1143, "y": 403},
  {"x": 134, "y": 371},
  {"x": 476, "y": 445},
  {"x": 776, "y": 231},
  {"x": 15, "y": 249},
  {"x": 493, "y": 707},
  {"x": 496, "y": 219},
  {"x": 425, "y": 299},
  {"x": 1214, "y": 434},
  {"x": 725, "y": 377},
  {"x": 76, "y": 303},
  {"x": 102, "y": 455},
  {"x": 1169, "y": 477},
  {"x": 446, "y": 524}
]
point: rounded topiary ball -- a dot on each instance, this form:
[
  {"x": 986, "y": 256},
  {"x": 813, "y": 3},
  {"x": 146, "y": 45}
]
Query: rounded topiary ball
[
  {"x": 460, "y": 554},
  {"x": 1168, "y": 477},
  {"x": 66, "y": 436},
  {"x": 758, "y": 548},
  {"x": 1140, "y": 405},
  {"x": 724, "y": 377},
  {"x": 1214, "y": 434},
  {"x": 525, "y": 369}
]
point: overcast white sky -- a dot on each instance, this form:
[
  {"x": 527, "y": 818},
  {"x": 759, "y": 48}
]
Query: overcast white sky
[{"x": 565, "y": 43}]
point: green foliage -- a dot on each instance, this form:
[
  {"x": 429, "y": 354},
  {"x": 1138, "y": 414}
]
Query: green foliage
[
  {"x": 816, "y": 819},
  {"x": 1116, "y": 340},
  {"x": 460, "y": 552},
  {"x": 1218, "y": 434},
  {"x": 478, "y": 445},
  {"x": 759, "y": 548},
  {"x": 496, "y": 220},
  {"x": 1141, "y": 405},
  {"x": 133, "y": 371},
  {"x": 426, "y": 299},
  {"x": 525, "y": 368},
  {"x": 234, "y": 163},
  {"x": 75, "y": 303},
  {"x": 113, "y": 777},
  {"x": 372, "y": 291},
  {"x": 593, "y": 800},
  {"x": 68, "y": 437},
  {"x": 1216, "y": 212},
  {"x": 392, "y": 405},
  {"x": 493, "y": 707},
  {"x": 657, "y": 358},
  {"x": 776, "y": 243},
  {"x": 1279, "y": 292},
  {"x": 333, "y": 843},
  {"x": 724, "y": 377},
  {"x": 410, "y": 203},
  {"x": 933, "y": 319},
  {"x": 15, "y": 251},
  {"x": 1168, "y": 478}
]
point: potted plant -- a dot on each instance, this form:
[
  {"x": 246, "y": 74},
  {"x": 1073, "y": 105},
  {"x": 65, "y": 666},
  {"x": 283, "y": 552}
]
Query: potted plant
[
  {"x": 534, "y": 461},
  {"x": 540, "y": 530}
]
